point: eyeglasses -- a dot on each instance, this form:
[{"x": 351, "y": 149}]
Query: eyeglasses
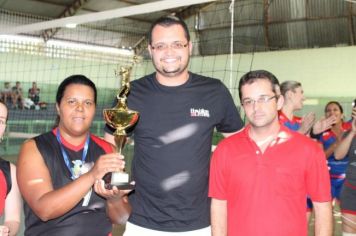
[
  {"x": 248, "y": 102},
  {"x": 163, "y": 46}
]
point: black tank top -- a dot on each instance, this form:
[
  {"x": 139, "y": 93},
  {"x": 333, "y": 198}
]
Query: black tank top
[{"x": 88, "y": 220}]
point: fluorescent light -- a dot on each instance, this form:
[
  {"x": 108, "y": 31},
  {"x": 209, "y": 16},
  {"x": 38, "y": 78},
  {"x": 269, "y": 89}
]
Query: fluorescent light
[
  {"x": 20, "y": 38},
  {"x": 71, "y": 25},
  {"x": 311, "y": 101},
  {"x": 87, "y": 47}
]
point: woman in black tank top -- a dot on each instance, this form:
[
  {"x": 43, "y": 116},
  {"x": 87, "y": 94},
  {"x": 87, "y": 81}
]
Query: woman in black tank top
[
  {"x": 10, "y": 197},
  {"x": 56, "y": 170}
]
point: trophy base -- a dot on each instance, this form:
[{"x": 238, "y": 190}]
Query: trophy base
[
  {"x": 124, "y": 186},
  {"x": 121, "y": 180}
]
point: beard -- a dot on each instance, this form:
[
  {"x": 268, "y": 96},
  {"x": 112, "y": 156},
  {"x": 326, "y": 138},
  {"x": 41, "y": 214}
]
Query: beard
[{"x": 171, "y": 72}]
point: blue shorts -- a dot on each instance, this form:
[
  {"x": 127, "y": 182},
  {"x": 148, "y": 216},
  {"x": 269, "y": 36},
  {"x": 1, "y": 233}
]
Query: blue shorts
[{"x": 336, "y": 186}]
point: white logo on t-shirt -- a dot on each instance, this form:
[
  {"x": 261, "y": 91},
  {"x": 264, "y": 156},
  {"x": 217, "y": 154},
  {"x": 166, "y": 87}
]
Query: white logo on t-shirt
[{"x": 200, "y": 112}]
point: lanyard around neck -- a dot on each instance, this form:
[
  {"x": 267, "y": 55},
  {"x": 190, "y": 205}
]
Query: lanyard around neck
[{"x": 65, "y": 155}]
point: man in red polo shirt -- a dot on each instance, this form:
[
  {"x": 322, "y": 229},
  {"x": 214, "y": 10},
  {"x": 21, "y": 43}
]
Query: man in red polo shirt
[{"x": 259, "y": 177}]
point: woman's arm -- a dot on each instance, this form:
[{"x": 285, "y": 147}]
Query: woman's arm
[
  {"x": 342, "y": 149},
  {"x": 13, "y": 205},
  {"x": 35, "y": 182},
  {"x": 344, "y": 146}
]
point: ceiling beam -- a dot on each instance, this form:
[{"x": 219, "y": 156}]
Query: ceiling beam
[
  {"x": 266, "y": 22},
  {"x": 103, "y": 15},
  {"x": 51, "y": 3},
  {"x": 127, "y": 17},
  {"x": 351, "y": 24},
  {"x": 192, "y": 10},
  {"x": 69, "y": 11},
  {"x": 258, "y": 23}
]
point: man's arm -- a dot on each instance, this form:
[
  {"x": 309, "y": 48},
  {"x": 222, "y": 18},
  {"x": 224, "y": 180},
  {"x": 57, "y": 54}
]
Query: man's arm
[
  {"x": 218, "y": 217},
  {"x": 228, "y": 134},
  {"x": 323, "y": 218}
]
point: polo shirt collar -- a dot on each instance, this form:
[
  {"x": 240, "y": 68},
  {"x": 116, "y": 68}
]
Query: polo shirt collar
[{"x": 283, "y": 133}]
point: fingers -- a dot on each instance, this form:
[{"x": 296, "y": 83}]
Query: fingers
[
  {"x": 112, "y": 162},
  {"x": 110, "y": 194},
  {"x": 4, "y": 230},
  {"x": 310, "y": 116},
  {"x": 354, "y": 113},
  {"x": 331, "y": 120}
]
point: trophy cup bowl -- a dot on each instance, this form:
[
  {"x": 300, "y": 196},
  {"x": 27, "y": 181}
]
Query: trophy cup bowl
[{"x": 120, "y": 119}]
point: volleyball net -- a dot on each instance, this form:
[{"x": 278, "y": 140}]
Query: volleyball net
[{"x": 46, "y": 51}]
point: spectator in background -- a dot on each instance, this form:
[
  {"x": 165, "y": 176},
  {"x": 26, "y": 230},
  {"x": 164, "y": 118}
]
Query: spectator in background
[
  {"x": 6, "y": 92},
  {"x": 17, "y": 96},
  {"x": 347, "y": 147},
  {"x": 330, "y": 139},
  {"x": 10, "y": 197},
  {"x": 34, "y": 93},
  {"x": 293, "y": 94}
]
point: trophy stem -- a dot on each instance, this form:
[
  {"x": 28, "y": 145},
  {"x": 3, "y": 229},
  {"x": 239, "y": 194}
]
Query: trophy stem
[
  {"x": 120, "y": 179},
  {"x": 120, "y": 140}
]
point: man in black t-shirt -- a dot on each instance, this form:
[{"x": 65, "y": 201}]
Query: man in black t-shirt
[{"x": 179, "y": 111}]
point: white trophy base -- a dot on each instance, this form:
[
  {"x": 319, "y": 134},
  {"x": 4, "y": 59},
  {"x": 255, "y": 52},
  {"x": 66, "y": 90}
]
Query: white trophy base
[{"x": 119, "y": 178}]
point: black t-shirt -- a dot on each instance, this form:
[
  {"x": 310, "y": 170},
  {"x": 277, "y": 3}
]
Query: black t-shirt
[
  {"x": 351, "y": 168},
  {"x": 173, "y": 138},
  {"x": 88, "y": 220}
]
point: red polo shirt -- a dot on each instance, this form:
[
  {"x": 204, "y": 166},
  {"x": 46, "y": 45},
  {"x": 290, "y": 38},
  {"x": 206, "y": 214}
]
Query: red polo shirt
[
  {"x": 266, "y": 192},
  {"x": 3, "y": 192}
]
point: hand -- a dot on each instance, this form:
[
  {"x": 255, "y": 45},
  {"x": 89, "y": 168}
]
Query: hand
[
  {"x": 323, "y": 124},
  {"x": 4, "y": 230},
  {"x": 107, "y": 163},
  {"x": 353, "y": 127},
  {"x": 353, "y": 113},
  {"x": 113, "y": 194},
  {"x": 307, "y": 123}
]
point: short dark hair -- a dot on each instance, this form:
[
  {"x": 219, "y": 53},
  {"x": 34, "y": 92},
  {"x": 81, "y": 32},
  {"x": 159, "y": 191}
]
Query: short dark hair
[
  {"x": 336, "y": 103},
  {"x": 167, "y": 21},
  {"x": 252, "y": 76},
  {"x": 74, "y": 79}
]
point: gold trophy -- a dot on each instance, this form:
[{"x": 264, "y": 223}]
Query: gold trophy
[{"x": 121, "y": 118}]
